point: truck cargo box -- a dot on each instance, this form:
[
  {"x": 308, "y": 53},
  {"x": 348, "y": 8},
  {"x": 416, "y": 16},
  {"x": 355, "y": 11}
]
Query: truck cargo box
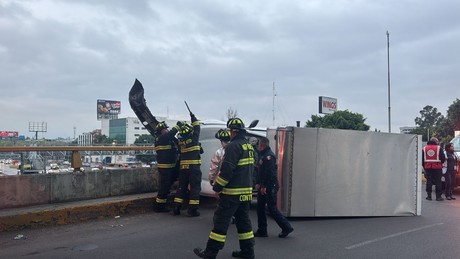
[{"x": 330, "y": 172}]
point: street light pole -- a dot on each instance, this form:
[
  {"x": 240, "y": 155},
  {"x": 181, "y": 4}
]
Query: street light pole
[{"x": 388, "y": 62}]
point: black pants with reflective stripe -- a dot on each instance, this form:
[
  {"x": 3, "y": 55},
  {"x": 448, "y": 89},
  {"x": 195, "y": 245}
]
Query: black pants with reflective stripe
[
  {"x": 226, "y": 208},
  {"x": 269, "y": 200},
  {"x": 190, "y": 176},
  {"x": 167, "y": 178}
]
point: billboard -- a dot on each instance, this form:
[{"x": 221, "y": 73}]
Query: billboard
[
  {"x": 327, "y": 105},
  {"x": 9, "y": 134},
  {"x": 107, "y": 109}
]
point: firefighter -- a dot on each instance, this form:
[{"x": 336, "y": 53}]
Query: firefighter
[
  {"x": 166, "y": 149},
  {"x": 234, "y": 186},
  {"x": 190, "y": 172},
  {"x": 432, "y": 160}
]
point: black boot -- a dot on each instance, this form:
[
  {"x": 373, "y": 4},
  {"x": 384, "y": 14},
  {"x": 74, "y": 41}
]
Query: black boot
[
  {"x": 160, "y": 207},
  {"x": 207, "y": 254},
  {"x": 249, "y": 254},
  {"x": 428, "y": 196},
  {"x": 176, "y": 210},
  {"x": 193, "y": 212}
]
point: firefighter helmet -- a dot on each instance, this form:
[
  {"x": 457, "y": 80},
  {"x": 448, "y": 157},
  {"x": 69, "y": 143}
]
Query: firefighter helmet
[
  {"x": 185, "y": 131},
  {"x": 235, "y": 124},
  {"x": 161, "y": 126},
  {"x": 223, "y": 135}
]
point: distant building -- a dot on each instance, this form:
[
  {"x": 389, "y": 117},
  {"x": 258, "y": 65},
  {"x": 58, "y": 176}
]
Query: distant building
[
  {"x": 85, "y": 139},
  {"x": 406, "y": 130}
]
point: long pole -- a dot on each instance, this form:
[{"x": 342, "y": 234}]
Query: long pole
[
  {"x": 388, "y": 62},
  {"x": 273, "y": 104}
]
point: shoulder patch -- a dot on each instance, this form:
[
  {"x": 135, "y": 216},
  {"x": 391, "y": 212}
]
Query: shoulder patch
[{"x": 269, "y": 157}]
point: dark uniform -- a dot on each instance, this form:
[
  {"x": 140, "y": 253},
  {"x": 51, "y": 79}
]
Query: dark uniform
[
  {"x": 234, "y": 184},
  {"x": 166, "y": 149},
  {"x": 432, "y": 159},
  {"x": 190, "y": 172},
  {"x": 268, "y": 178}
]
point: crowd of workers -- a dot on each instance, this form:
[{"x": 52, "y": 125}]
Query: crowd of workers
[{"x": 236, "y": 167}]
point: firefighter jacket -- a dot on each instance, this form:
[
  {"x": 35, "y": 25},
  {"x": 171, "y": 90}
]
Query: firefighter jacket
[
  {"x": 267, "y": 170},
  {"x": 166, "y": 149},
  {"x": 235, "y": 178},
  {"x": 190, "y": 148},
  {"x": 433, "y": 156}
]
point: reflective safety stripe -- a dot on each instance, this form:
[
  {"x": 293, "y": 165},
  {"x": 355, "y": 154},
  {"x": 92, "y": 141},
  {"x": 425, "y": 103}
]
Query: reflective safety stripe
[
  {"x": 217, "y": 237},
  {"x": 221, "y": 181},
  {"x": 196, "y": 123},
  {"x": 245, "y": 236},
  {"x": 190, "y": 149},
  {"x": 165, "y": 147},
  {"x": 194, "y": 202},
  {"x": 166, "y": 165},
  {"x": 178, "y": 200},
  {"x": 190, "y": 162},
  {"x": 246, "y": 161},
  {"x": 237, "y": 191},
  {"x": 158, "y": 200}
]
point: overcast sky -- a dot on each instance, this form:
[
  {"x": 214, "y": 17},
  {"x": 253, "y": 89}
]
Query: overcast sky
[{"x": 58, "y": 57}]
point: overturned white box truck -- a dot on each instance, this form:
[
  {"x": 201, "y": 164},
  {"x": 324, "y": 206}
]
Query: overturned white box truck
[{"x": 334, "y": 173}]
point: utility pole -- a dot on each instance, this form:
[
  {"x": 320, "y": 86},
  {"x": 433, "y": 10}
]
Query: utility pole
[
  {"x": 388, "y": 62},
  {"x": 273, "y": 104}
]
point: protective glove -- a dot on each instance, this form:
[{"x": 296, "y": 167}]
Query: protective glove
[{"x": 192, "y": 117}]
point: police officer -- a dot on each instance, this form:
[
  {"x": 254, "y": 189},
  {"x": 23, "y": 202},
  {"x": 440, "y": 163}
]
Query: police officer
[
  {"x": 432, "y": 160},
  {"x": 267, "y": 186},
  {"x": 190, "y": 172},
  {"x": 234, "y": 185},
  {"x": 166, "y": 149}
]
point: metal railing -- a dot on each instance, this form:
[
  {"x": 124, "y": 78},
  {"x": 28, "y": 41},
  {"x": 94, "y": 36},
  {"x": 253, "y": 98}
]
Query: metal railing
[{"x": 76, "y": 161}]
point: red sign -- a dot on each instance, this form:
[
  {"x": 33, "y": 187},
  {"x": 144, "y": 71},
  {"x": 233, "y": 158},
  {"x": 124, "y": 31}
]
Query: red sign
[{"x": 9, "y": 134}]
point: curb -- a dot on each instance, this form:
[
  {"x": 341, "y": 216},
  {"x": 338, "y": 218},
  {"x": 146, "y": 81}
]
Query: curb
[{"x": 74, "y": 212}]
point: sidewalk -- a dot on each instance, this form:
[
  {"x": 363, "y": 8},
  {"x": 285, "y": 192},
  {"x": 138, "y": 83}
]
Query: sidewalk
[{"x": 73, "y": 212}]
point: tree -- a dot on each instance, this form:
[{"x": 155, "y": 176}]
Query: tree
[
  {"x": 231, "y": 113},
  {"x": 430, "y": 123},
  {"x": 145, "y": 140},
  {"x": 339, "y": 120},
  {"x": 453, "y": 116},
  {"x": 100, "y": 139}
]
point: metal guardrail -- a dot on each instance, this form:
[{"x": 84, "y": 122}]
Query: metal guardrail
[{"x": 76, "y": 162}]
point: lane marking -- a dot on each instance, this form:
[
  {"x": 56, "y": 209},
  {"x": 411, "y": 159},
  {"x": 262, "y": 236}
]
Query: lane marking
[{"x": 390, "y": 236}]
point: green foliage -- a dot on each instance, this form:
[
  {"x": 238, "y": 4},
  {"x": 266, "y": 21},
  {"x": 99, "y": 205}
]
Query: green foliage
[
  {"x": 99, "y": 139},
  {"x": 433, "y": 123},
  {"x": 339, "y": 120},
  {"x": 145, "y": 140}
]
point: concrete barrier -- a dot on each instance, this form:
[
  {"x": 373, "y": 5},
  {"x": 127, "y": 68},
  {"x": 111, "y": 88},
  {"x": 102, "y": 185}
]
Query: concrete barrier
[{"x": 27, "y": 190}]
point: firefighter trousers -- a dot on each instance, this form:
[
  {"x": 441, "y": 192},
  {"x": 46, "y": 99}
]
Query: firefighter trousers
[
  {"x": 227, "y": 207},
  {"x": 167, "y": 178},
  {"x": 192, "y": 177}
]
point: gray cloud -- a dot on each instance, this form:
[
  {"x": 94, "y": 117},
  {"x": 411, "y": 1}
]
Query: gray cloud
[{"x": 59, "y": 57}]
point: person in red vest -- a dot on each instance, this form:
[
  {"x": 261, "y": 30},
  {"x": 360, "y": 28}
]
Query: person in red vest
[{"x": 432, "y": 160}]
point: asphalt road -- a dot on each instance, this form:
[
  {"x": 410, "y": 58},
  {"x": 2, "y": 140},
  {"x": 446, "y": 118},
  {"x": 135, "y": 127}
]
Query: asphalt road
[{"x": 435, "y": 234}]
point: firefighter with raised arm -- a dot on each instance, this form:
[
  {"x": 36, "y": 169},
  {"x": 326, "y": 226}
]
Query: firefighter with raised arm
[
  {"x": 190, "y": 172},
  {"x": 234, "y": 185},
  {"x": 166, "y": 149}
]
